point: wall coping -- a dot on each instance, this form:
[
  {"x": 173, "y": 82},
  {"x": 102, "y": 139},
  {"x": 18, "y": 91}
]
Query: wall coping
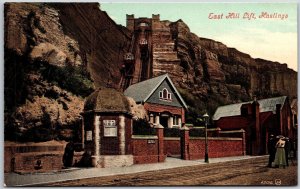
[
  {"x": 54, "y": 153},
  {"x": 203, "y": 127},
  {"x": 37, "y": 144},
  {"x": 171, "y": 138},
  {"x": 233, "y": 131},
  {"x": 144, "y": 137},
  {"x": 114, "y": 156},
  {"x": 215, "y": 138}
]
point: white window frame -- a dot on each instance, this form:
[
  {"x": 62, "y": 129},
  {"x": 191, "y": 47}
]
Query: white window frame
[
  {"x": 160, "y": 94},
  {"x": 168, "y": 95}
]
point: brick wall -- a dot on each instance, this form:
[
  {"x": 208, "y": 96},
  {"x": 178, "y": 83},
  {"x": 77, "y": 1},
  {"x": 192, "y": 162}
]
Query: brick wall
[
  {"x": 217, "y": 147},
  {"x": 128, "y": 134},
  {"x": 172, "y": 146},
  {"x": 145, "y": 150},
  {"x": 109, "y": 145}
]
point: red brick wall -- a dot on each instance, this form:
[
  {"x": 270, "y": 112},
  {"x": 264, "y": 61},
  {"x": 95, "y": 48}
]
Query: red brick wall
[
  {"x": 172, "y": 146},
  {"x": 145, "y": 152},
  {"x": 109, "y": 145},
  {"x": 217, "y": 147},
  {"x": 128, "y": 133}
]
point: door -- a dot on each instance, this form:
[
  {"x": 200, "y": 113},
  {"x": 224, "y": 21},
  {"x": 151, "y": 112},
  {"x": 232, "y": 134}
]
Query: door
[{"x": 164, "y": 121}]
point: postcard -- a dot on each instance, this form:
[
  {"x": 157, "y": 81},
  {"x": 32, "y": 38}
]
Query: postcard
[{"x": 150, "y": 94}]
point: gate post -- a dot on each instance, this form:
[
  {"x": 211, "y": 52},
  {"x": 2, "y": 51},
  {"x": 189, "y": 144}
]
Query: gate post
[
  {"x": 160, "y": 135},
  {"x": 184, "y": 142},
  {"x": 244, "y": 141}
]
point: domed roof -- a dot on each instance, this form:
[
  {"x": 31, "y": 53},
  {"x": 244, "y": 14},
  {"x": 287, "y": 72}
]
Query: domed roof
[{"x": 107, "y": 100}]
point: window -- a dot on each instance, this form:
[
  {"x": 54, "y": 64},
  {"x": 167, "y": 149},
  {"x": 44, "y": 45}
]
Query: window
[
  {"x": 165, "y": 95},
  {"x": 110, "y": 128}
]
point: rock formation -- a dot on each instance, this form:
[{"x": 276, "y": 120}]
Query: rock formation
[
  {"x": 217, "y": 74},
  {"x": 56, "y": 54}
]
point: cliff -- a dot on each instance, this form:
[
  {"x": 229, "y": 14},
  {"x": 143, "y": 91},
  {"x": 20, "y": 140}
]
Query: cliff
[
  {"x": 218, "y": 75},
  {"x": 56, "y": 54}
]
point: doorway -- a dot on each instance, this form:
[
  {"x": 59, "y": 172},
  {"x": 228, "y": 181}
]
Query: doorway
[{"x": 164, "y": 121}]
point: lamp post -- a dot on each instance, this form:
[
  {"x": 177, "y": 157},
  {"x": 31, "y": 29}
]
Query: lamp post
[{"x": 206, "y": 118}]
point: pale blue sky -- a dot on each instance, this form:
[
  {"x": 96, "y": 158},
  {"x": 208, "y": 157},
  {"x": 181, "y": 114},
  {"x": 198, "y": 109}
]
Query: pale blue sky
[{"x": 271, "y": 39}]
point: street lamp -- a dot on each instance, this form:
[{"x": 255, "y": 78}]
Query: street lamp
[{"x": 206, "y": 118}]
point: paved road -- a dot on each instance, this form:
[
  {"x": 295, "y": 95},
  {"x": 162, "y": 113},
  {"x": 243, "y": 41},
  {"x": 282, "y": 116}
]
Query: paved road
[
  {"x": 242, "y": 172},
  {"x": 14, "y": 179}
]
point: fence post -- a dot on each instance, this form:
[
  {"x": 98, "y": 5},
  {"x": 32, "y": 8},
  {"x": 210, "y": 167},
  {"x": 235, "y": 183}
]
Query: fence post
[
  {"x": 160, "y": 135},
  {"x": 244, "y": 141},
  {"x": 218, "y": 131},
  {"x": 184, "y": 142}
]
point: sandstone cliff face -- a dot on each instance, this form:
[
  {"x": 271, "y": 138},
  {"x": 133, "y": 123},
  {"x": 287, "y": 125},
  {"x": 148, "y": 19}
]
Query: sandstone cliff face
[
  {"x": 217, "y": 75},
  {"x": 55, "y": 54},
  {"x": 102, "y": 43}
]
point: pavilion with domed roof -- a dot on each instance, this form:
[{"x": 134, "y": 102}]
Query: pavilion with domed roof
[{"x": 107, "y": 128}]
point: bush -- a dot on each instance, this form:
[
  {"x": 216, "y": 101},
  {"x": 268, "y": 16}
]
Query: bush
[
  {"x": 71, "y": 78},
  {"x": 142, "y": 127}
]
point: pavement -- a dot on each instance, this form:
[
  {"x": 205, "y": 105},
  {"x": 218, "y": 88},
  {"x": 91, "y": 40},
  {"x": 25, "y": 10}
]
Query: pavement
[{"x": 15, "y": 179}]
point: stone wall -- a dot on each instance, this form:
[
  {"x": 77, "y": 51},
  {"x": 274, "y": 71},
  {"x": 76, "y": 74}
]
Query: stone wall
[
  {"x": 24, "y": 158},
  {"x": 115, "y": 160}
]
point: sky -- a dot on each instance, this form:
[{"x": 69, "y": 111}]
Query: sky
[{"x": 272, "y": 39}]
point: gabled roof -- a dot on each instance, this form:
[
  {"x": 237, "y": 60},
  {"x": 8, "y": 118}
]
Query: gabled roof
[
  {"x": 141, "y": 91},
  {"x": 265, "y": 105}
]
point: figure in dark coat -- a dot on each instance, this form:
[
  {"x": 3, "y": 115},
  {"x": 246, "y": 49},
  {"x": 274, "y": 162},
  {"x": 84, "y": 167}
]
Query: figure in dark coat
[
  {"x": 68, "y": 155},
  {"x": 271, "y": 149},
  {"x": 287, "y": 149},
  {"x": 86, "y": 160}
]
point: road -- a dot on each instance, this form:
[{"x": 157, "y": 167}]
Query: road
[{"x": 242, "y": 172}]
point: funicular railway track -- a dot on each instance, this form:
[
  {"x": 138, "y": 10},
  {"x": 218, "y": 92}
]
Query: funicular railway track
[{"x": 137, "y": 60}]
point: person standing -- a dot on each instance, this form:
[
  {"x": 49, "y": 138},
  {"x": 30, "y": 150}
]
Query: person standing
[
  {"x": 280, "y": 160},
  {"x": 68, "y": 155},
  {"x": 271, "y": 149}
]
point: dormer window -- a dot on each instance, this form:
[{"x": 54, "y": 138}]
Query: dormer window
[{"x": 165, "y": 95}]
